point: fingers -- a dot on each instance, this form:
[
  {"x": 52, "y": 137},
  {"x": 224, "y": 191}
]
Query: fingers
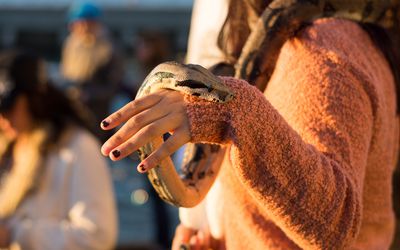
[
  {"x": 197, "y": 242},
  {"x": 168, "y": 123},
  {"x": 190, "y": 239},
  {"x": 147, "y": 118},
  {"x": 132, "y": 126},
  {"x": 182, "y": 237},
  {"x": 174, "y": 142},
  {"x": 129, "y": 110}
]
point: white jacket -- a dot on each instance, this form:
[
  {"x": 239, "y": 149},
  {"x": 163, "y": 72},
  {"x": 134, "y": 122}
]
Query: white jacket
[{"x": 73, "y": 207}]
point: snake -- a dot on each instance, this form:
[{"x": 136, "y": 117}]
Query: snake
[
  {"x": 199, "y": 173},
  {"x": 280, "y": 21}
]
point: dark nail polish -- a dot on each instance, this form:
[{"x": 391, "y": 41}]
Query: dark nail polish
[
  {"x": 142, "y": 168},
  {"x": 105, "y": 124},
  {"x": 116, "y": 153},
  {"x": 184, "y": 247}
]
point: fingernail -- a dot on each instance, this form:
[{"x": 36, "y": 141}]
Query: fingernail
[
  {"x": 184, "y": 247},
  {"x": 141, "y": 168},
  {"x": 105, "y": 124},
  {"x": 116, "y": 153}
]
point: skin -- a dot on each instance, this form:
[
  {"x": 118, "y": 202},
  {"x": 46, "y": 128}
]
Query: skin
[
  {"x": 7, "y": 130},
  {"x": 85, "y": 29},
  {"x": 144, "y": 119},
  {"x": 15, "y": 124},
  {"x": 5, "y": 236},
  {"x": 196, "y": 240},
  {"x": 148, "y": 118},
  {"x": 17, "y": 120}
]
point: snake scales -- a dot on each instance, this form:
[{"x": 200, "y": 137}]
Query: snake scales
[{"x": 280, "y": 21}]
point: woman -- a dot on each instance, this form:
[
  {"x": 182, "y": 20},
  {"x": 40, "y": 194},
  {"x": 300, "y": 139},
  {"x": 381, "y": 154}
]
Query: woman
[
  {"x": 55, "y": 190},
  {"x": 308, "y": 163}
]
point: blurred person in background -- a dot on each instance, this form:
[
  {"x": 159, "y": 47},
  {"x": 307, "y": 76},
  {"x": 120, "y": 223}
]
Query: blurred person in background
[
  {"x": 90, "y": 65},
  {"x": 55, "y": 188}
]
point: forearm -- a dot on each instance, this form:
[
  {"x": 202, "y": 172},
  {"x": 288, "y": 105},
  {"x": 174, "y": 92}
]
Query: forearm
[{"x": 314, "y": 197}]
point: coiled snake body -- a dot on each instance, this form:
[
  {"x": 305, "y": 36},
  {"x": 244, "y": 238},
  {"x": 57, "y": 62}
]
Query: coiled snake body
[
  {"x": 198, "y": 173},
  {"x": 280, "y": 21}
]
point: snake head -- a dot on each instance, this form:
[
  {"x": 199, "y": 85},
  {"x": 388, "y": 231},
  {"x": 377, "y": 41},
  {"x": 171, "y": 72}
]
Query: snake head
[{"x": 190, "y": 79}]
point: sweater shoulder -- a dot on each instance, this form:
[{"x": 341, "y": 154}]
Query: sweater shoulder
[
  {"x": 342, "y": 37},
  {"x": 336, "y": 48}
]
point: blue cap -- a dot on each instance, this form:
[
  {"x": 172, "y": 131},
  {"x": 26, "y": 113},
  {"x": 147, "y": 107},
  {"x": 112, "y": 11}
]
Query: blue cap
[{"x": 84, "y": 11}]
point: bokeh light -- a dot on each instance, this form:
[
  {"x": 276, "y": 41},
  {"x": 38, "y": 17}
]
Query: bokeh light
[{"x": 139, "y": 197}]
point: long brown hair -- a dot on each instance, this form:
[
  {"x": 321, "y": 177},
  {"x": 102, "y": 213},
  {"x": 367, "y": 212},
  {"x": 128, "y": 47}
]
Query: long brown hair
[{"x": 241, "y": 16}]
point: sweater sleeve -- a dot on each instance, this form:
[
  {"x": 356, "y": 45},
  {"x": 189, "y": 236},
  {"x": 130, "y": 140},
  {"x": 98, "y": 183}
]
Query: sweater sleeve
[
  {"x": 91, "y": 222},
  {"x": 302, "y": 159}
]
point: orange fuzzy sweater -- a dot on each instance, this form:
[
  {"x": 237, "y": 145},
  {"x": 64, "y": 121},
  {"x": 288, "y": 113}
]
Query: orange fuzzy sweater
[{"x": 309, "y": 162}]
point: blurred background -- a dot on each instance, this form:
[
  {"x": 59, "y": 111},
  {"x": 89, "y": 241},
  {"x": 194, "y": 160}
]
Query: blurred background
[{"x": 140, "y": 34}]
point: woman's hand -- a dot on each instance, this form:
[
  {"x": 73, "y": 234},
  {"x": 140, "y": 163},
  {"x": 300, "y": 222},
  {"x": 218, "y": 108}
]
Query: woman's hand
[
  {"x": 147, "y": 118},
  {"x": 187, "y": 238},
  {"x": 5, "y": 236}
]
